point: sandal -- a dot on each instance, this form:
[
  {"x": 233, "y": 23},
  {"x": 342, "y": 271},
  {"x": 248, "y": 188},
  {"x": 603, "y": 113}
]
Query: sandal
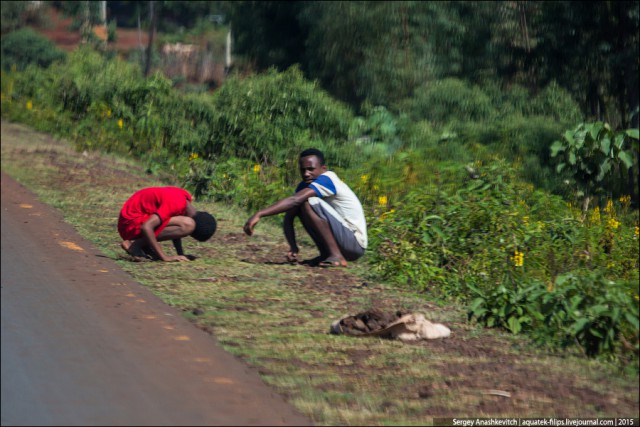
[{"x": 332, "y": 262}]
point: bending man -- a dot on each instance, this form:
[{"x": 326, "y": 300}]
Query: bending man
[{"x": 155, "y": 214}]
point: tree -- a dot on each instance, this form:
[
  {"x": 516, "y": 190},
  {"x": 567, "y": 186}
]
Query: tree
[
  {"x": 381, "y": 51},
  {"x": 268, "y": 32},
  {"x": 17, "y": 14}
]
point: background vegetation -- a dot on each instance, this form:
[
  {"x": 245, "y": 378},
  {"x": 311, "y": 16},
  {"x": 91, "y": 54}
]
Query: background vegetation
[{"x": 494, "y": 145}]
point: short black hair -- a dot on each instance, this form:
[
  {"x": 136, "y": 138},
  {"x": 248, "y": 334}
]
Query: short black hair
[
  {"x": 205, "y": 226},
  {"x": 313, "y": 152}
]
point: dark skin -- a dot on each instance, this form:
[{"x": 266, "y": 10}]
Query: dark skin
[
  {"x": 177, "y": 228},
  {"x": 298, "y": 206}
]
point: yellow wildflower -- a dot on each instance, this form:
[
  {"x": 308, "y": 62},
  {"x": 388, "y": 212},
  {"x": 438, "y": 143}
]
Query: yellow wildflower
[
  {"x": 193, "y": 156},
  {"x": 364, "y": 178},
  {"x": 595, "y": 215},
  {"x": 382, "y": 200},
  {"x": 636, "y": 231},
  {"x": 609, "y": 208},
  {"x": 109, "y": 112},
  {"x": 518, "y": 258},
  {"x": 613, "y": 223},
  {"x": 256, "y": 168},
  {"x": 120, "y": 123},
  {"x": 625, "y": 200},
  {"x": 29, "y": 105}
]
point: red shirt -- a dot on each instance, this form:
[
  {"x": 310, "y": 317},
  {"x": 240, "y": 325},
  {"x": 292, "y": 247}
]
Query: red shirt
[{"x": 166, "y": 202}]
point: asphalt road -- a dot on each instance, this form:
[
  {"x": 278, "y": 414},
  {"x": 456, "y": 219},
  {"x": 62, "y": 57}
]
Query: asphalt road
[{"x": 84, "y": 344}]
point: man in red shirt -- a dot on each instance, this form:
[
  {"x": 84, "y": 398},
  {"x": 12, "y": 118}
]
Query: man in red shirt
[{"x": 156, "y": 214}]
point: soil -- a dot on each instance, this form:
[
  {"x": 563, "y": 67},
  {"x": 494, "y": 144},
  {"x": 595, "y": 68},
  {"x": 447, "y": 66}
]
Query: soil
[{"x": 58, "y": 31}]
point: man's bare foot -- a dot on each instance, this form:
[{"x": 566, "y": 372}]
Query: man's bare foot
[{"x": 132, "y": 248}]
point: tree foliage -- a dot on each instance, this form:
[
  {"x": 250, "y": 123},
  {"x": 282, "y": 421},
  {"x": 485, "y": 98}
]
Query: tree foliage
[
  {"x": 23, "y": 47},
  {"x": 18, "y": 14},
  {"x": 383, "y": 51},
  {"x": 380, "y": 51}
]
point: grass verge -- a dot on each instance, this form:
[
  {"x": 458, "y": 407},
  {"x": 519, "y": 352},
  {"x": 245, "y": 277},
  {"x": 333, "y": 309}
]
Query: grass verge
[{"x": 276, "y": 316}]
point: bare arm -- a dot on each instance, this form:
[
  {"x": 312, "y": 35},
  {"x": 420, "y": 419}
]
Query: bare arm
[
  {"x": 177, "y": 243},
  {"x": 283, "y": 205},
  {"x": 148, "y": 235},
  {"x": 290, "y": 234}
]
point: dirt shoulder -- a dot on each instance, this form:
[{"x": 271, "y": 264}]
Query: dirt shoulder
[{"x": 276, "y": 317}]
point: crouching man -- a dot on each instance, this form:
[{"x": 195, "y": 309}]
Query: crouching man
[{"x": 329, "y": 211}]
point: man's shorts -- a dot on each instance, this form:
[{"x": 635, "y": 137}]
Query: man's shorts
[
  {"x": 344, "y": 236},
  {"x": 129, "y": 228}
]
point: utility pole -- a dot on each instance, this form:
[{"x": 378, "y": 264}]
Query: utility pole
[
  {"x": 152, "y": 29},
  {"x": 227, "y": 56},
  {"x": 103, "y": 12}
]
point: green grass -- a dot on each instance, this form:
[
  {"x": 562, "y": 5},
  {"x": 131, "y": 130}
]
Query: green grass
[{"x": 276, "y": 317}]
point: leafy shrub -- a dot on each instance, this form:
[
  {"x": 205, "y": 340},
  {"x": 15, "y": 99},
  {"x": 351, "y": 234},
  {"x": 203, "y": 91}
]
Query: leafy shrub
[
  {"x": 588, "y": 310},
  {"x": 270, "y": 118},
  {"x": 469, "y": 225},
  {"x": 448, "y": 100},
  {"x": 594, "y": 154},
  {"x": 511, "y": 307},
  {"x": 557, "y": 103},
  {"x": 25, "y": 46},
  {"x": 523, "y": 140}
]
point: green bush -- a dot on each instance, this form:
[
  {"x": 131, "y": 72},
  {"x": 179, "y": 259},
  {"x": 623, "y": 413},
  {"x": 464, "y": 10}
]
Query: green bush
[
  {"x": 585, "y": 309},
  {"x": 597, "y": 157},
  {"x": 270, "y": 118},
  {"x": 475, "y": 223},
  {"x": 525, "y": 141},
  {"x": 448, "y": 100},
  {"x": 23, "y": 47},
  {"x": 557, "y": 103}
]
